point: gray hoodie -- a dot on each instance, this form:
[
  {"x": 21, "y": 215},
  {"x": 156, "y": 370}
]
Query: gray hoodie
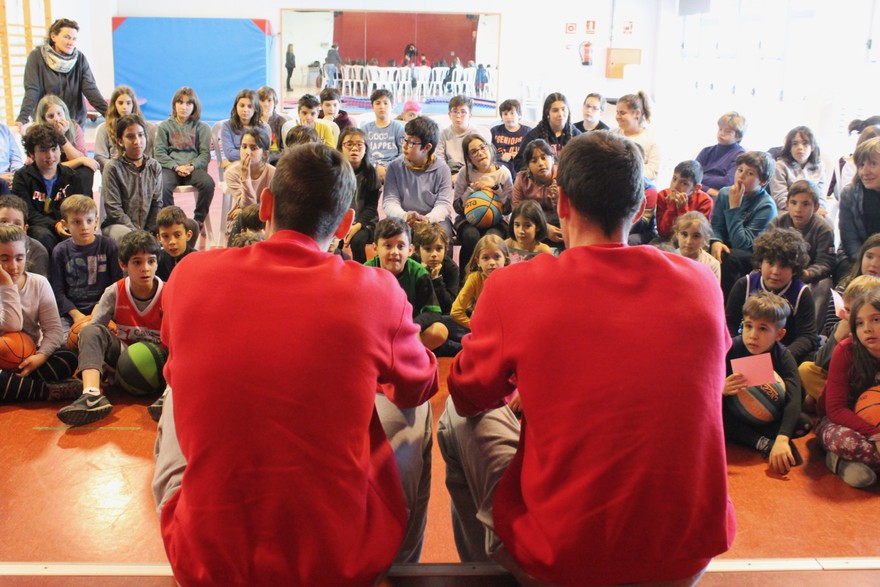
[{"x": 132, "y": 195}]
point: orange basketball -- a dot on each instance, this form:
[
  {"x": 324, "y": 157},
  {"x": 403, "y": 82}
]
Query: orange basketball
[
  {"x": 760, "y": 404},
  {"x": 868, "y": 406},
  {"x": 15, "y": 347},
  {"x": 73, "y": 333}
]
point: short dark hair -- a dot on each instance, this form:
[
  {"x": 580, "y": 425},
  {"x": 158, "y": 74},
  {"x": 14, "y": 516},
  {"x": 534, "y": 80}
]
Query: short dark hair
[
  {"x": 424, "y": 128},
  {"x": 690, "y": 169},
  {"x": 804, "y": 186},
  {"x": 250, "y": 218},
  {"x": 760, "y": 161},
  {"x": 602, "y": 175},
  {"x": 391, "y": 226},
  {"x": 539, "y": 145},
  {"x": 328, "y": 94},
  {"x": 785, "y": 246},
  {"x": 509, "y": 105},
  {"x": 171, "y": 215},
  {"x": 381, "y": 93},
  {"x": 301, "y": 135},
  {"x": 309, "y": 101},
  {"x": 43, "y": 136},
  {"x": 10, "y": 201},
  {"x": 125, "y": 122},
  {"x": 765, "y": 305},
  {"x": 260, "y": 136},
  {"x": 461, "y": 100},
  {"x": 137, "y": 241},
  {"x": 245, "y": 239},
  {"x": 313, "y": 186}
]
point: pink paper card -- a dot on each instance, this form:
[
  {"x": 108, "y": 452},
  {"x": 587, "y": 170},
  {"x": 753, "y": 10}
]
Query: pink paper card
[
  {"x": 839, "y": 307},
  {"x": 758, "y": 369}
]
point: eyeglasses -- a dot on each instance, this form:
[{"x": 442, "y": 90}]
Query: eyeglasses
[
  {"x": 462, "y": 112},
  {"x": 411, "y": 143},
  {"x": 352, "y": 146},
  {"x": 478, "y": 150}
]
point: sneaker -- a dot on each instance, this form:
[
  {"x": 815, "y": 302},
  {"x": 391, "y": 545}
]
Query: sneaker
[
  {"x": 854, "y": 474},
  {"x": 85, "y": 410},
  {"x": 66, "y": 389},
  {"x": 155, "y": 408}
]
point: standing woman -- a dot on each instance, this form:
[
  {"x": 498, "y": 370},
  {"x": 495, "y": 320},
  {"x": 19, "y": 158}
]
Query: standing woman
[
  {"x": 56, "y": 67},
  {"x": 290, "y": 64},
  {"x": 555, "y": 128},
  {"x": 633, "y": 117}
]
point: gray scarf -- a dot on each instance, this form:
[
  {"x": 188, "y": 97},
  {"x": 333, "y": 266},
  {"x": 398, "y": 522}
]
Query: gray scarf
[{"x": 58, "y": 62}]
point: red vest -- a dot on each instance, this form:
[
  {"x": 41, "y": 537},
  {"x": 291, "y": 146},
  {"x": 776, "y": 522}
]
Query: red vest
[{"x": 134, "y": 325}]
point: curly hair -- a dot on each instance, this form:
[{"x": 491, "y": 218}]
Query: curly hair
[{"x": 782, "y": 245}]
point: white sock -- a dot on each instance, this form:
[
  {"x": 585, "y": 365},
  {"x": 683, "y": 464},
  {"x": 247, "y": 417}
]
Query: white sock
[{"x": 92, "y": 391}]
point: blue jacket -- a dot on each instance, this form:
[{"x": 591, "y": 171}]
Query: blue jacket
[{"x": 738, "y": 228}]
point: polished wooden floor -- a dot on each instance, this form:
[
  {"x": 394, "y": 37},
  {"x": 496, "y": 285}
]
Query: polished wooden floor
[{"x": 83, "y": 496}]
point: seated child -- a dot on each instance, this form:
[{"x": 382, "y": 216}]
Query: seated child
[
  {"x": 14, "y": 211},
  {"x": 246, "y": 114},
  {"x": 719, "y": 161},
  {"x": 538, "y": 182},
  {"x": 644, "y": 228},
  {"x": 245, "y": 239},
  {"x": 353, "y": 144},
  {"x": 44, "y": 184},
  {"x": 275, "y": 121},
  {"x": 449, "y": 146},
  {"x": 780, "y": 256},
  {"x": 135, "y": 304},
  {"x": 418, "y": 186},
  {"x": 691, "y": 232},
  {"x": 507, "y": 138},
  {"x": 802, "y": 205},
  {"x": 554, "y": 128},
  {"x": 527, "y": 227},
  {"x": 84, "y": 265},
  {"x": 867, "y": 263},
  {"x": 411, "y": 109},
  {"x": 28, "y": 305},
  {"x": 307, "y": 115},
  {"x": 490, "y": 254},
  {"x": 330, "y": 111},
  {"x": 479, "y": 173},
  {"x": 859, "y": 201},
  {"x": 798, "y": 160},
  {"x": 814, "y": 373},
  {"x": 384, "y": 135},
  {"x": 174, "y": 236},
  {"x": 742, "y": 211},
  {"x": 431, "y": 244},
  {"x": 851, "y": 441},
  {"x": 123, "y": 102},
  {"x": 684, "y": 195},
  {"x": 393, "y": 250},
  {"x": 764, "y": 318},
  {"x": 132, "y": 183},
  {"x": 594, "y": 106},
  {"x": 246, "y": 222},
  {"x": 53, "y": 111},
  {"x": 249, "y": 176}
]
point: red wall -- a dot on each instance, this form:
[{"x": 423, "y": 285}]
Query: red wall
[{"x": 386, "y": 34}]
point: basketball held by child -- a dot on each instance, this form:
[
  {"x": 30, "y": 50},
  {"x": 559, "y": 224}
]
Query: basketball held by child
[
  {"x": 868, "y": 406},
  {"x": 482, "y": 209},
  {"x": 15, "y": 347},
  {"x": 73, "y": 333},
  {"x": 760, "y": 404},
  {"x": 139, "y": 370}
]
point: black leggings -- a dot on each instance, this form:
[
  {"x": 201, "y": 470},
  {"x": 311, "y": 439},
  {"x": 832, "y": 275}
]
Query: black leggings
[{"x": 61, "y": 365}]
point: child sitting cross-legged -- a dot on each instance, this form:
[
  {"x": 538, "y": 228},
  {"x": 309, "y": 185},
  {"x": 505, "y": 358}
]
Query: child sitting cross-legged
[
  {"x": 780, "y": 256},
  {"x": 393, "y": 249},
  {"x": 685, "y": 194},
  {"x": 528, "y": 227},
  {"x": 13, "y": 210},
  {"x": 134, "y": 303},
  {"x": 490, "y": 254},
  {"x": 27, "y": 305},
  {"x": 764, "y": 319},
  {"x": 431, "y": 243},
  {"x": 691, "y": 232},
  {"x": 174, "y": 236},
  {"x": 85, "y": 264}
]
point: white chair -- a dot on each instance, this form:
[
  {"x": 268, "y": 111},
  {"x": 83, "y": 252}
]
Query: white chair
[
  {"x": 404, "y": 82},
  {"x": 351, "y": 80},
  {"x": 374, "y": 78},
  {"x": 489, "y": 88},
  {"x": 423, "y": 80},
  {"x": 469, "y": 83},
  {"x": 456, "y": 83},
  {"x": 325, "y": 75},
  {"x": 438, "y": 74}
]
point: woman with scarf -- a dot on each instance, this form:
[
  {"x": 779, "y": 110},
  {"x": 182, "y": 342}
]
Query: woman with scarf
[{"x": 57, "y": 67}]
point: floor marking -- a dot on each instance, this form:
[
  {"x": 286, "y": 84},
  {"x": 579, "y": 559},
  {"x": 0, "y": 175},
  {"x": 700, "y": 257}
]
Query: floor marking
[
  {"x": 65, "y": 428},
  {"x": 164, "y": 569}
]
